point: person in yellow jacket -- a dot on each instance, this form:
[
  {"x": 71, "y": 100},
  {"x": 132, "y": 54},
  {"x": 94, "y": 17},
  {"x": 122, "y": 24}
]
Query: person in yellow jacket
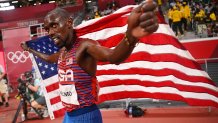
[
  {"x": 159, "y": 2},
  {"x": 186, "y": 14},
  {"x": 176, "y": 18},
  {"x": 200, "y": 15},
  {"x": 212, "y": 16},
  {"x": 178, "y": 4},
  {"x": 97, "y": 15},
  {"x": 169, "y": 15}
]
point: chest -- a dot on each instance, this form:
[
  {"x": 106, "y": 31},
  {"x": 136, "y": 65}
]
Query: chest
[{"x": 67, "y": 66}]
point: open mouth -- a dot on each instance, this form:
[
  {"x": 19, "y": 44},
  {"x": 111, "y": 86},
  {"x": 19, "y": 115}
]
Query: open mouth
[{"x": 56, "y": 40}]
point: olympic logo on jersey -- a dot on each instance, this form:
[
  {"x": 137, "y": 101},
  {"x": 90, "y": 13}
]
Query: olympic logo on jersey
[{"x": 18, "y": 56}]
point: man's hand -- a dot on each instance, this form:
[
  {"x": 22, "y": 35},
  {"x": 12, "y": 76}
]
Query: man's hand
[
  {"x": 24, "y": 46},
  {"x": 143, "y": 20}
]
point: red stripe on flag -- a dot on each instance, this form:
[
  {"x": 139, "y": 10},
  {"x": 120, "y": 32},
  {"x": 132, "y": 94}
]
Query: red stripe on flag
[
  {"x": 55, "y": 100},
  {"x": 167, "y": 96},
  {"x": 59, "y": 113},
  {"x": 52, "y": 87},
  {"x": 144, "y": 56}
]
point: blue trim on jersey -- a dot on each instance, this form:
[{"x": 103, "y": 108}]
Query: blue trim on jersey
[
  {"x": 90, "y": 114},
  {"x": 82, "y": 110}
]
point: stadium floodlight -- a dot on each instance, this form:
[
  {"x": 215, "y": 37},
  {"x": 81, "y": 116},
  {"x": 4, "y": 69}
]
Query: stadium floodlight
[
  {"x": 4, "y": 4},
  {"x": 7, "y": 8}
]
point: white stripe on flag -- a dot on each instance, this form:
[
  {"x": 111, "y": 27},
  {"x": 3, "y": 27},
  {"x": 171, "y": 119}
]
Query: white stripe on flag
[
  {"x": 53, "y": 93},
  {"x": 162, "y": 49},
  {"x": 108, "y": 32},
  {"x": 51, "y": 80},
  {"x": 167, "y": 90},
  {"x": 155, "y": 66},
  {"x": 157, "y": 79}
]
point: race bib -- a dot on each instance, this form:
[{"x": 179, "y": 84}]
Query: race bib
[{"x": 68, "y": 93}]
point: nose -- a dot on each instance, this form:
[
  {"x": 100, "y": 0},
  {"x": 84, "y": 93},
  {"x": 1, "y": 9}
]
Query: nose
[{"x": 51, "y": 32}]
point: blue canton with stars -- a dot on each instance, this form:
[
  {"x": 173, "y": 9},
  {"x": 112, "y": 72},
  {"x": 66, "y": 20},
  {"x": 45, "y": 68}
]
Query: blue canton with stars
[{"x": 44, "y": 45}]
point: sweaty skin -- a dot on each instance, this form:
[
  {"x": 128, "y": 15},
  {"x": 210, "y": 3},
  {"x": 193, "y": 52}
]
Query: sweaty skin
[{"x": 141, "y": 22}]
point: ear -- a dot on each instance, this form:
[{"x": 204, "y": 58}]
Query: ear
[{"x": 70, "y": 22}]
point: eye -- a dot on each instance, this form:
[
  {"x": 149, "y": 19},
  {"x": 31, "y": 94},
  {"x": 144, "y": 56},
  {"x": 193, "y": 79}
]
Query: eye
[
  {"x": 46, "y": 29},
  {"x": 54, "y": 25}
]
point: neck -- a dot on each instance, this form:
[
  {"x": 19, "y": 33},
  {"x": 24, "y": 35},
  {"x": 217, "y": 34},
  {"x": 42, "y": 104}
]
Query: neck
[{"x": 71, "y": 41}]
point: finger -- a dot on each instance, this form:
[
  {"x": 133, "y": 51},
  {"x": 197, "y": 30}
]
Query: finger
[
  {"x": 152, "y": 28},
  {"x": 148, "y": 22},
  {"x": 148, "y": 6},
  {"x": 146, "y": 16},
  {"x": 145, "y": 6}
]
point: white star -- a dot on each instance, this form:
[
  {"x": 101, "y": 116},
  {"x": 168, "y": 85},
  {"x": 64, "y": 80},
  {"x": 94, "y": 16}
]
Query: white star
[
  {"x": 40, "y": 64},
  {"x": 52, "y": 68},
  {"x": 46, "y": 66},
  {"x": 43, "y": 72}
]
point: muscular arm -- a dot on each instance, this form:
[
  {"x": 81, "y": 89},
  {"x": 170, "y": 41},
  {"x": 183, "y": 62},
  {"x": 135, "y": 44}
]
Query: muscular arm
[
  {"x": 49, "y": 58},
  {"x": 100, "y": 53}
]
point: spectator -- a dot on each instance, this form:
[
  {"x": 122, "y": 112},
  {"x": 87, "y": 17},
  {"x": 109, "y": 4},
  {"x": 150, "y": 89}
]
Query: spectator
[
  {"x": 97, "y": 15},
  {"x": 176, "y": 17},
  {"x": 200, "y": 15},
  {"x": 3, "y": 89},
  {"x": 39, "y": 99},
  {"x": 213, "y": 15},
  {"x": 169, "y": 14},
  {"x": 185, "y": 9}
]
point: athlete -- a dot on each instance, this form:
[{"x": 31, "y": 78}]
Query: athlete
[{"x": 77, "y": 58}]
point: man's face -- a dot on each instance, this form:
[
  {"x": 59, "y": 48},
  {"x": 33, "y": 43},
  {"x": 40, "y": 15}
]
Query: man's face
[{"x": 58, "y": 29}]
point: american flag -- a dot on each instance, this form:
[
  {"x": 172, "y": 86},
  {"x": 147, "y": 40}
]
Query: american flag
[
  {"x": 159, "y": 67},
  {"x": 48, "y": 73},
  {"x": 44, "y": 45}
]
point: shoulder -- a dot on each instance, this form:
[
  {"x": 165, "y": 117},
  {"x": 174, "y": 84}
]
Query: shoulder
[{"x": 88, "y": 43}]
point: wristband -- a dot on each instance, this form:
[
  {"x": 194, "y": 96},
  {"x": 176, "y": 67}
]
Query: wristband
[{"x": 126, "y": 40}]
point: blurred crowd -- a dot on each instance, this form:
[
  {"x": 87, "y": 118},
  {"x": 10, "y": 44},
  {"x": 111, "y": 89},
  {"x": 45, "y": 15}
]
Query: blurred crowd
[
  {"x": 96, "y": 13},
  {"x": 199, "y": 16},
  {"x": 26, "y": 3}
]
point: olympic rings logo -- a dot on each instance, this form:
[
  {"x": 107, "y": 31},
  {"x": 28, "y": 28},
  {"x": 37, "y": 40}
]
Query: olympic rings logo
[{"x": 18, "y": 56}]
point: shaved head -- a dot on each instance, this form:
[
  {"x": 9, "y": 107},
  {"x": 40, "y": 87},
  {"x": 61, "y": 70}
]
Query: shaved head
[{"x": 59, "y": 12}]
